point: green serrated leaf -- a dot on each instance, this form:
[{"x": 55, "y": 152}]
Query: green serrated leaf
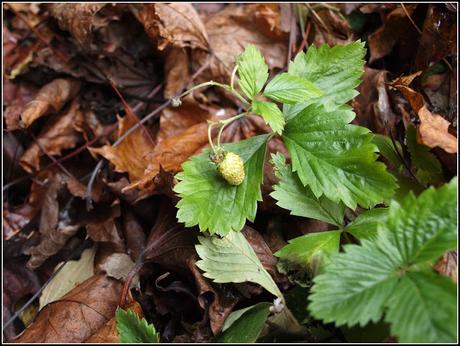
[
  {"x": 252, "y": 70},
  {"x": 365, "y": 226},
  {"x": 271, "y": 114},
  {"x": 358, "y": 284},
  {"x": 292, "y": 195},
  {"x": 208, "y": 201},
  {"x": 429, "y": 168},
  {"x": 132, "y": 329},
  {"x": 431, "y": 220},
  {"x": 290, "y": 89},
  {"x": 312, "y": 251},
  {"x": 388, "y": 150},
  {"x": 337, "y": 159},
  {"x": 336, "y": 71},
  {"x": 245, "y": 325},
  {"x": 232, "y": 259},
  {"x": 423, "y": 309}
]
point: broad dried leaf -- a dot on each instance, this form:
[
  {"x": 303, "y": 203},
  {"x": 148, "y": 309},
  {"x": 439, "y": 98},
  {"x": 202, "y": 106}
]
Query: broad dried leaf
[
  {"x": 173, "y": 24},
  {"x": 58, "y": 134},
  {"x": 78, "y": 315},
  {"x": 176, "y": 71},
  {"x": 133, "y": 153},
  {"x": 50, "y": 99},
  {"x": 235, "y": 27}
]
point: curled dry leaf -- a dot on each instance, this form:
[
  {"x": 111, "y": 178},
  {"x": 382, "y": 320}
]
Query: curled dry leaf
[
  {"x": 77, "y": 315},
  {"x": 50, "y": 99},
  {"x": 232, "y": 29},
  {"x": 176, "y": 71},
  {"x": 173, "y": 24},
  {"x": 15, "y": 96},
  {"x": 58, "y": 134}
]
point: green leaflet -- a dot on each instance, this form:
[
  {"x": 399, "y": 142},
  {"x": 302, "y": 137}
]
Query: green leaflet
[
  {"x": 131, "y": 329},
  {"x": 208, "y": 201},
  {"x": 232, "y": 259},
  {"x": 336, "y": 71},
  {"x": 365, "y": 226},
  {"x": 290, "y": 89},
  {"x": 271, "y": 114},
  {"x": 429, "y": 300},
  {"x": 337, "y": 159},
  {"x": 312, "y": 251},
  {"x": 388, "y": 150},
  {"x": 252, "y": 70},
  {"x": 358, "y": 284},
  {"x": 292, "y": 195},
  {"x": 245, "y": 325},
  {"x": 429, "y": 168}
]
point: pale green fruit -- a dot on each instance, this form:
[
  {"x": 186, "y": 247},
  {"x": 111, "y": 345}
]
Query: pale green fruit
[{"x": 232, "y": 169}]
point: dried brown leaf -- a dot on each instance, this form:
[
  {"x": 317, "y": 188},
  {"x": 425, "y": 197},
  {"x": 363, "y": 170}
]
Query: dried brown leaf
[
  {"x": 132, "y": 154},
  {"x": 173, "y": 24},
  {"x": 58, "y": 134},
  {"x": 79, "y": 19},
  {"x": 77, "y": 315},
  {"x": 50, "y": 99},
  {"x": 433, "y": 131},
  {"x": 232, "y": 29},
  {"x": 176, "y": 71}
]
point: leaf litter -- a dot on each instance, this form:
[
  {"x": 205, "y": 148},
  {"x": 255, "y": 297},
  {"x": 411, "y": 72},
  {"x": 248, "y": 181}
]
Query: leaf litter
[{"x": 77, "y": 77}]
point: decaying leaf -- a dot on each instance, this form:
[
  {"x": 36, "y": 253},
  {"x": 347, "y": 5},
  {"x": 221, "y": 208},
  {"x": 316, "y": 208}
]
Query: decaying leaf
[
  {"x": 50, "y": 98},
  {"x": 58, "y": 134},
  {"x": 77, "y": 315},
  {"x": 176, "y": 71},
  {"x": 175, "y": 24},
  {"x": 433, "y": 131},
  {"x": 117, "y": 266}
]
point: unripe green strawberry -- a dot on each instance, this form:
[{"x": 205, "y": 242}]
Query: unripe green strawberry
[{"x": 232, "y": 169}]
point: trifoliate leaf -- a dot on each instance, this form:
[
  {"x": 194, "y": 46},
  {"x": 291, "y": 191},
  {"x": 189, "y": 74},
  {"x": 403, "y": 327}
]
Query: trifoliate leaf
[
  {"x": 253, "y": 71},
  {"x": 132, "y": 329},
  {"x": 245, "y": 325},
  {"x": 337, "y": 159},
  {"x": 423, "y": 309},
  {"x": 358, "y": 284},
  {"x": 210, "y": 202},
  {"x": 232, "y": 259},
  {"x": 336, "y": 71},
  {"x": 365, "y": 226},
  {"x": 387, "y": 150},
  {"x": 292, "y": 195},
  {"x": 311, "y": 251},
  {"x": 271, "y": 114},
  {"x": 290, "y": 89},
  {"x": 429, "y": 168}
]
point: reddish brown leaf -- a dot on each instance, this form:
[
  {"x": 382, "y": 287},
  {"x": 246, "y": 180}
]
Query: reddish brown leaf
[
  {"x": 50, "y": 99},
  {"x": 176, "y": 71},
  {"x": 77, "y": 315},
  {"x": 58, "y": 134},
  {"x": 133, "y": 153}
]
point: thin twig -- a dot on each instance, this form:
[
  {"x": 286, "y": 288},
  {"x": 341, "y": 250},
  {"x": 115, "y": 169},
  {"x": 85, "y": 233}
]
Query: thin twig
[{"x": 305, "y": 38}]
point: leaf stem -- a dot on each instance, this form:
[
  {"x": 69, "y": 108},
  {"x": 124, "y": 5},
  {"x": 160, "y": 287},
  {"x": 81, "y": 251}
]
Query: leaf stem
[
  {"x": 224, "y": 123},
  {"x": 212, "y": 83},
  {"x": 232, "y": 80}
]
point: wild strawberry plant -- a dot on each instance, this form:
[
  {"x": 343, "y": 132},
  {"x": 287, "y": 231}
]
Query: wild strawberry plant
[{"x": 333, "y": 168}]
